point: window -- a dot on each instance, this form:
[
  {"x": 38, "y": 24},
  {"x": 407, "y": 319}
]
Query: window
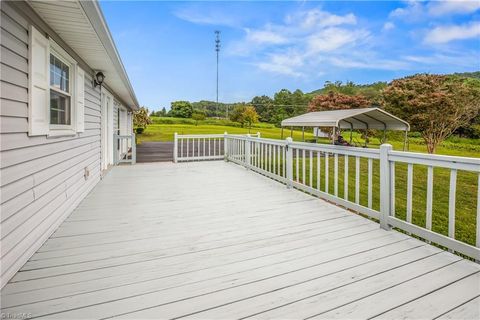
[
  {"x": 56, "y": 89},
  {"x": 60, "y": 97}
]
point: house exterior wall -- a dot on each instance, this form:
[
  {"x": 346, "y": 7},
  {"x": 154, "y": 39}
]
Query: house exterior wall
[{"x": 42, "y": 179}]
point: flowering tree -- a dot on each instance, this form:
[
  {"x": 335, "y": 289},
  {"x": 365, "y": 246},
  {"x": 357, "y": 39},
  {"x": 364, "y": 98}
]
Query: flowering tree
[
  {"x": 141, "y": 118},
  {"x": 435, "y": 105},
  {"x": 337, "y": 101}
]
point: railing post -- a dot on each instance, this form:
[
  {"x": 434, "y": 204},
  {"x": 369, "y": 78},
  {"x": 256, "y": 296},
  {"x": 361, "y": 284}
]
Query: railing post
[
  {"x": 385, "y": 181},
  {"x": 247, "y": 152},
  {"x": 289, "y": 162},
  {"x": 225, "y": 146},
  {"x": 115, "y": 149},
  {"x": 175, "y": 147},
  {"x": 134, "y": 149}
]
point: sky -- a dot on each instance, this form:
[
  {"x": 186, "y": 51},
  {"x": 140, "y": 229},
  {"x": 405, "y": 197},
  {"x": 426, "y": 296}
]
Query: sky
[{"x": 168, "y": 48}]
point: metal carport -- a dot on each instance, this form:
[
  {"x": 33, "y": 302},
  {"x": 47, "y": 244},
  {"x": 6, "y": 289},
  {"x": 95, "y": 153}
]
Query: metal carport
[{"x": 353, "y": 119}]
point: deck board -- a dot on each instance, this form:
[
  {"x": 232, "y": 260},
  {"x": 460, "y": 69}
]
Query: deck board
[{"x": 211, "y": 240}]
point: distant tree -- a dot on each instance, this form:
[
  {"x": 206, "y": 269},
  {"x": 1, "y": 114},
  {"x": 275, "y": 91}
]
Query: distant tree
[
  {"x": 300, "y": 102},
  {"x": 249, "y": 116},
  {"x": 264, "y": 107},
  {"x": 236, "y": 114},
  {"x": 162, "y": 113},
  {"x": 198, "y": 115},
  {"x": 141, "y": 118},
  {"x": 372, "y": 92},
  {"x": 181, "y": 109},
  {"x": 283, "y": 100},
  {"x": 434, "y": 105},
  {"x": 337, "y": 101}
]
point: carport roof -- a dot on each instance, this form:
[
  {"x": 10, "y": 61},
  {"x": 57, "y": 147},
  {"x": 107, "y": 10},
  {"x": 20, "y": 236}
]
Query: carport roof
[{"x": 364, "y": 118}]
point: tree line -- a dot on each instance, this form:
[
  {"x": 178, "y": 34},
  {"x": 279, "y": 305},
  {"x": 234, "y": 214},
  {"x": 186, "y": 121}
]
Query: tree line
[{"x": 434, "y": 105}]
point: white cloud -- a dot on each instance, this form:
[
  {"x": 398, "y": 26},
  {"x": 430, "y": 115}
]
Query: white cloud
[
  {"x": 416, "y": 10},
  {"x": 413, "y": 11},
  {"x": 445, "y": 34},
  {"x": 317, "y": 18},
  {"x": 465, "y": 59},
  {"x": 264, "y": 37},
  {"x": 286, "y": 63},
  {"x": 363, "y": 63},
  {"x": 331, "y": 39},
  {"x": 218, "y": 18},
  {"x": 388, "y": 26},
  {"x": 292, "y": 47},
  {"x": 440, "y": 8}
]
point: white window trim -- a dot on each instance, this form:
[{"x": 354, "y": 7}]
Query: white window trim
[{"x": 56, "y": 130}]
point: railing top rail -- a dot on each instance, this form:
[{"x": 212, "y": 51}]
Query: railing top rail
[
  {"x": 352, "y": 151},
  {"x": 361, "y": 152},
  {"x": 435, "y": 160},
  {"x": 190, "y": 136},
  {"x": 257, "y": 139}
]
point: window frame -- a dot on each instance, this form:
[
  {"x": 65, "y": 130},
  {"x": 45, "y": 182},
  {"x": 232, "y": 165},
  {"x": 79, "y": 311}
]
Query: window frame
[{"x": 63, "y": 56}]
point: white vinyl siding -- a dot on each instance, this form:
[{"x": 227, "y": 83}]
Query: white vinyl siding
[{"x": 42, "y": 178}]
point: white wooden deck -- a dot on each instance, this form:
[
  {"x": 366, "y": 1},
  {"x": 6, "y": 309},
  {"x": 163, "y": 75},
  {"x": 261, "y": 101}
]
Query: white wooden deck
[{"x": 211, "y": 240}]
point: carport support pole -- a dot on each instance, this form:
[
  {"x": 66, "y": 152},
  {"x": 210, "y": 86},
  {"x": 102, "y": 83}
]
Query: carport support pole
[
  {"x": 282, "y": 134},
  {"x": 175, "y": 147},
  {"x": 303, "y": 134},
  {"x": 405, "y": 140}
]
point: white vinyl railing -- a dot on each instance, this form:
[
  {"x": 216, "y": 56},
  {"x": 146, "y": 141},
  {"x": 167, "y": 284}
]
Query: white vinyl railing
[
  {"x": 124, "y": 149},
  {"x": 199, "y": 147},
  {"x": 335, "y": 173}
]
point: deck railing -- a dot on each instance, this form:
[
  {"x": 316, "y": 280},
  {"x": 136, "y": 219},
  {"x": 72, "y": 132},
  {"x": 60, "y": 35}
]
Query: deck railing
[
  {"x": 371, "y": 191},
  {"x": 124, "y": 149},
  {"x": 200, "y": 147}
]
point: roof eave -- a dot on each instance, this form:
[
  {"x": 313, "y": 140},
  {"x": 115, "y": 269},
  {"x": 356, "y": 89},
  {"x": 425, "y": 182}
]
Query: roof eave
[{"x": 94, "y": 14}]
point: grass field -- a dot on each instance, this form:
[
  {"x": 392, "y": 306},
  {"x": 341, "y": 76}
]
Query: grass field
[{"x": 466, "y": 202}]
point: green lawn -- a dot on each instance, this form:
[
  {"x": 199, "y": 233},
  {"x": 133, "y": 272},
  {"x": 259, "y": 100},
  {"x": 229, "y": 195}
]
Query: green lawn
[
  {"x": 165, "y": 132},
  {"x": 466, "y": 202}
]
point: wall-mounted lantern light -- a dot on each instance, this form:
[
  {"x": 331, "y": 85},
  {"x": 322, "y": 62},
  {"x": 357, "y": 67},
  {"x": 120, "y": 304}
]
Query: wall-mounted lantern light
[{"x": 99, "y": 77}]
